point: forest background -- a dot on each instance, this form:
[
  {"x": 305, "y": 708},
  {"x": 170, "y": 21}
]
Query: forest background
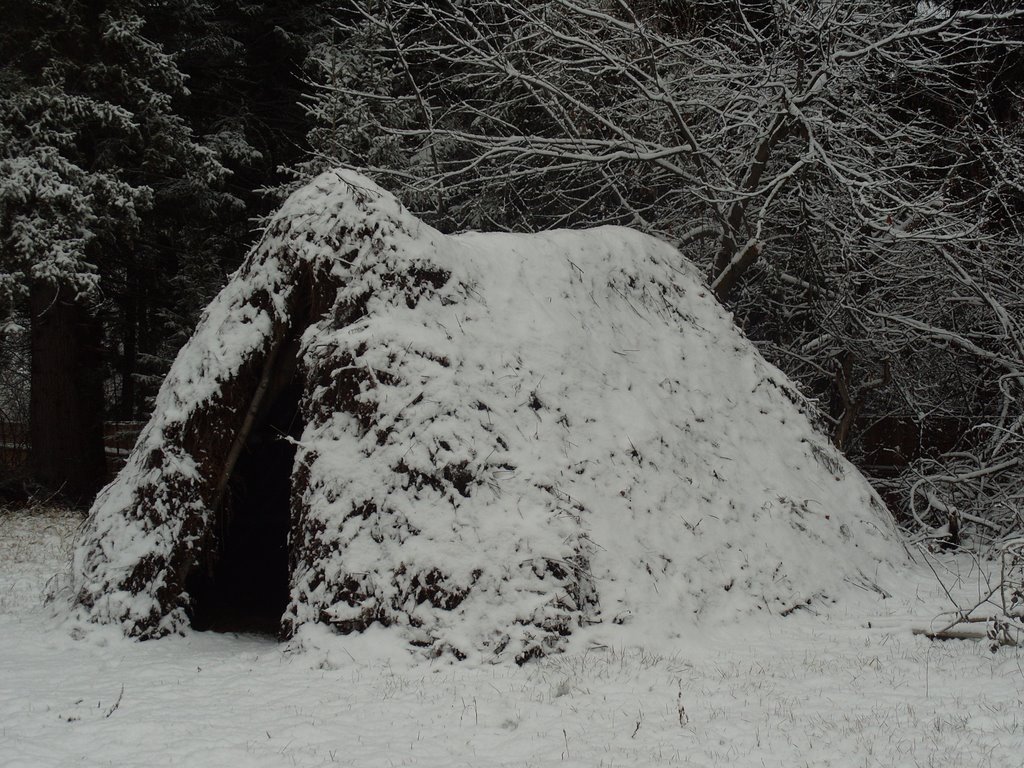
[{"x": 849, "y": 174}]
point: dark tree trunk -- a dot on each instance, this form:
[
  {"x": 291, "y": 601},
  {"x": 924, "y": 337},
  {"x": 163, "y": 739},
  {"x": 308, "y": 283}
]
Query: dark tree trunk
[
  {"x": 129, "y": 344},
  {"x": 66, "y": 406}
]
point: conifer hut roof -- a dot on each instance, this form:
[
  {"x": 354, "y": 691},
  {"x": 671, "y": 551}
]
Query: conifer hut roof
[{"x": 507, "y": 440}]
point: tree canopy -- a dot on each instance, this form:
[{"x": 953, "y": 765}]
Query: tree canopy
[{"x": 847, "y": 174}]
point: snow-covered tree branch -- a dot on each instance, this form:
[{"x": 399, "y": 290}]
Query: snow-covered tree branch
[{"x": 846, "y": 172}]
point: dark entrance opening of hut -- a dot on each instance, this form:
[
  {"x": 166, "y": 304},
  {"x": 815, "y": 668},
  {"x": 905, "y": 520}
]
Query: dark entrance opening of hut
[{"x": 242, "y": 583}]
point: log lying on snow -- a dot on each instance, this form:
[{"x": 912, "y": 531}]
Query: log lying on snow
[
  {"x": 506, "y": 438},
  {"x": 965, "y": 634}
]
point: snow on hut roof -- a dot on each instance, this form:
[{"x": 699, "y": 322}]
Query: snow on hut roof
[{"x": 508, "y": 440}]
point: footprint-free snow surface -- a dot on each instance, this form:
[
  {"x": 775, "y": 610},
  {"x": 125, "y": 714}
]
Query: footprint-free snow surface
[
  {"x": 841, "y": 685},
  {"x": 509, "y": 440}
]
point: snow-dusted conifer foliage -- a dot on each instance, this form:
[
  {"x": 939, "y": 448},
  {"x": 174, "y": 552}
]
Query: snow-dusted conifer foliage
[
  {"x": 98, "y": 170},
  {"x": 508, "y": 440},
  {"x": 86, "y": 128}
]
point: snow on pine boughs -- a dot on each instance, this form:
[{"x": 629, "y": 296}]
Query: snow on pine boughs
[
  {"x": 397, "y": 515},
  {"x": 509, "y": 441},
  {"x": 154, "y": 523}
]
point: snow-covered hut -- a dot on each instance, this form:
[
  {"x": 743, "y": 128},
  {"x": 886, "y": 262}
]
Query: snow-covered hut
[{"x": 484, "y": 442}]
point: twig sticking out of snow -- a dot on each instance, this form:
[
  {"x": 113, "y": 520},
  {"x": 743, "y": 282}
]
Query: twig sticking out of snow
[{"x": 117, "y": 703}]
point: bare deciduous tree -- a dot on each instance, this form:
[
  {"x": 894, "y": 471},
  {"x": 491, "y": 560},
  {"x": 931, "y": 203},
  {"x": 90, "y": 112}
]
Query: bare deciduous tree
[{"x": 846, "y": 171}]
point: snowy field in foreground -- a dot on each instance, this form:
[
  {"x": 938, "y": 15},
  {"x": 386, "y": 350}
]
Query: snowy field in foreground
[{"x": 809, "y": 690}]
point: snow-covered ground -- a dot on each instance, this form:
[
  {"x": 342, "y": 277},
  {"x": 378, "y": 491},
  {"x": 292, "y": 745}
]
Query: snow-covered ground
[{"x": 807, "y": 690}]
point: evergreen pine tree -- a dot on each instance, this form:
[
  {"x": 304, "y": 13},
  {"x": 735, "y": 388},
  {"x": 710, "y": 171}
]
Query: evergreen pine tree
[{"x": 95, "y": 164}]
